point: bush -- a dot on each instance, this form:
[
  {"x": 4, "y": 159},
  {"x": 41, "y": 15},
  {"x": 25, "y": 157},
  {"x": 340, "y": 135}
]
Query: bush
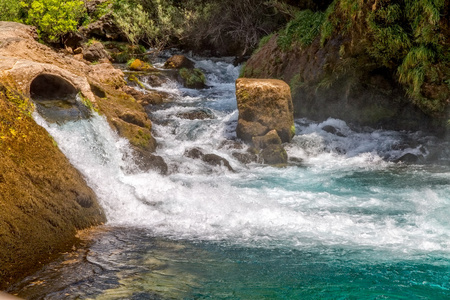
[
  {"x": 153, "y": 22},
  {"x": 54, "y": 18},
  {"x": 10, "y": 10}
]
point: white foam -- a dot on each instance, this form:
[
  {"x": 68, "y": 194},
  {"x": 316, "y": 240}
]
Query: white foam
[{"x": 326, "y": 202}]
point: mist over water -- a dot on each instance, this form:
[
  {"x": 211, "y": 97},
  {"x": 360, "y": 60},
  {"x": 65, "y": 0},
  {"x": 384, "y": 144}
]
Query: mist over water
[{"x": 344, "y": 202}]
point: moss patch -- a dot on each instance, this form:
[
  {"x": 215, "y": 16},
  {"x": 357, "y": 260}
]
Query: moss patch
[{"x": 192, "y": 78}]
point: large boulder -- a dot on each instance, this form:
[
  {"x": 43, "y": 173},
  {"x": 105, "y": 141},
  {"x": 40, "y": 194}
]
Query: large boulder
[{"x": 264, "y": 105}]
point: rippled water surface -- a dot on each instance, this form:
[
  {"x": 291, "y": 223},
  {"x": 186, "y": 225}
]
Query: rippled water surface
[{"x": 344, "y": 220}]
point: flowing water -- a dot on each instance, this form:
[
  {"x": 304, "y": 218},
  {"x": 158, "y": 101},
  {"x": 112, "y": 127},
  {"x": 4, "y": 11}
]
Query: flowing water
[{"x": 343, "y": 220}]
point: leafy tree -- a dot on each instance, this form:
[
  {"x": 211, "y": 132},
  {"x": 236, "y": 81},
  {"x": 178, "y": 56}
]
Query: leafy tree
[{"x": 54, "y": 18}]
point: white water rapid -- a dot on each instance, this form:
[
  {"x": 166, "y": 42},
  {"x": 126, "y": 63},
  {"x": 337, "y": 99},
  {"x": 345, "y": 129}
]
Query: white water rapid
[{"x": 345, "y": 192}]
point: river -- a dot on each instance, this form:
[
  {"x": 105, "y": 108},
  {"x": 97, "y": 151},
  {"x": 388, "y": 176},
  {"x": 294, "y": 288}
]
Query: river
[{"x": 344, "y": 220}]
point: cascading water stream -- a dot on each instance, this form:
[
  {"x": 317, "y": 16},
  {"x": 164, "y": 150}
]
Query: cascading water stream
[{"x": 344, "y": 207}]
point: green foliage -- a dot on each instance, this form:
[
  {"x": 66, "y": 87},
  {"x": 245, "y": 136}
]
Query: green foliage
[
  {"x": 10, "y": 10},
  {"x": 88, "y": 103},
  {"x": 406, "y": 36},
  {"x": 54, "y": 18},
  {"x": 133, "y": 21},
  {"x": 154, "y": 22},
  {"x": 101, "y": 10},
  {"x": 302, "y": 30},
  {"x": 328, "y": 24}
]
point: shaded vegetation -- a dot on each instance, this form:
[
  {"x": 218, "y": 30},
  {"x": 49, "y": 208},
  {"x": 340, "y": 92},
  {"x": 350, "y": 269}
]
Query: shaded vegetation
[
  {"x": 302, "y": 30},
  {"x": 408, "y": 37}
]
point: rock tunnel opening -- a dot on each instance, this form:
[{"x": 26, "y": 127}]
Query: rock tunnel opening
[
  {"x": 56, "y": 99},
  {"x": 52, "y": 87}
]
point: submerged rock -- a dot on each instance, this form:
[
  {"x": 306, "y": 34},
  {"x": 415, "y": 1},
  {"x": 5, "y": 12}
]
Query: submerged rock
[
  {"x": 332, "y": 130},
  {"x": 264, "y": 105},
  {"x": 409, "y": 158},
  {"x": 197, "y": 114},
  {"x": 192, "y": 78},
  {"x": 211, "y": 159},
  {"x": 146, "y": 161}
]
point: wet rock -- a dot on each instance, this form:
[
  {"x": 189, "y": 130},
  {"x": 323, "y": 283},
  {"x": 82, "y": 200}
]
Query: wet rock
[
  {"x": 179, "y": 62},
  {"x": 96, "y": 52},
  {"x": 147, "y": 97},
  {"x": 198, "y": 114},
  {"x": 247, "y": 130},
  {"x": 136, "y": 118},
  {"x": 274, "y": 155},
  {"x": 194, "y": 153},
  {"x": 271, "y": 138},
  {"x": 61, "y": 111},
  {"x": 245, "y": 157},
  {"x": 140, "y": 137},
  {"x": 211, "y": 159},
  {"x": 264, "y": 105},
  {"x": 409, "y": 158},
  {"x": 332, "y": 130},
  {"x": 154, "y": 81},
  {"x": 295, "y": 161},
  {"x": 192, "y": 78},
  {"x": 216, "y": 160},
  {"x": 147, "y": 161}
]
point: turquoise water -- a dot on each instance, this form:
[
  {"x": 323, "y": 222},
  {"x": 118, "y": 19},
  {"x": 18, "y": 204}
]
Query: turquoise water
[{"x": 344, "y": 220}]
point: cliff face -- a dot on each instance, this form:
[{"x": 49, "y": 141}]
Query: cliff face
[
  {"x": 347, "y": 74},
  {"x": 43, "y": 199}
]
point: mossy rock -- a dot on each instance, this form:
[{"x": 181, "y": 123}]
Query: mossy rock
[
  {"x": 192, "y": 78},
  {"x": 44, "y": 200},
  {"x": 139, "y": 65},
  {"x": 274, "y": 155}
]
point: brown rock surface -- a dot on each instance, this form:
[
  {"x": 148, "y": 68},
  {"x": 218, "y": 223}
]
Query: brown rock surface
[
  {"x": 43, "y": 199},
  {"x": 264, "y": 105}
]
